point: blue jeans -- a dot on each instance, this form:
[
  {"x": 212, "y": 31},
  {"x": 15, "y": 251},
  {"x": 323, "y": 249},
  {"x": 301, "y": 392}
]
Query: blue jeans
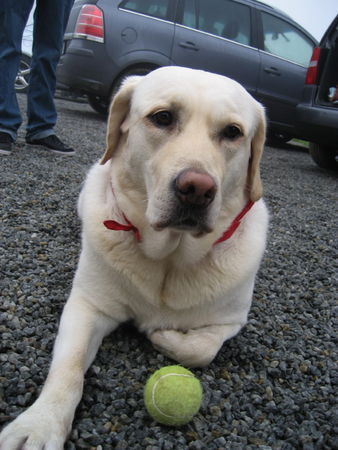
[{"x": 50, "y": 20}]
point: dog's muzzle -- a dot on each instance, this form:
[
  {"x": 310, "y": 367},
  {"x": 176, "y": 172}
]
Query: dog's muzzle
[{"x": 193, "y": 192}]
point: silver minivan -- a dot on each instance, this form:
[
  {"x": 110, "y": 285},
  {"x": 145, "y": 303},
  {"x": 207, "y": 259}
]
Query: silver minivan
[{"x": 257, "y": 45}]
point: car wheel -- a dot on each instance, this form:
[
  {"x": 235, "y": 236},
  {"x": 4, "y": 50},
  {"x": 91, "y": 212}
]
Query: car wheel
[
  {"x": 22, "y": 78},
  {"x": 276, "y": 139},
  {"x": 99, "y": 104},
  {"x": 139, "y": 70},
  {"x": 323, "y": 156}
]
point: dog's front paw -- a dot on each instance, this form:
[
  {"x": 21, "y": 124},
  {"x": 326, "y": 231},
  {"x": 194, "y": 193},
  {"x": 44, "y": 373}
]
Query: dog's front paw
[
  {"x": 35, "y": 429},
  {"x": 191, "y": 349},
  {"x": 195, "y": 348}
]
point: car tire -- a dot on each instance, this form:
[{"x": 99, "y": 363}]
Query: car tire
[
  {"x": 324, "y": 157},
  {"x": 22, "y": 78},
  {"x": 99, "y": 104},
  {"x": 137, "y": 70},
  {"x": 276, "y": 139}
]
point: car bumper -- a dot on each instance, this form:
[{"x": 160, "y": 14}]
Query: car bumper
[
  {"x": 317, "y": 124},
  {"x": 77, "y": 69}
]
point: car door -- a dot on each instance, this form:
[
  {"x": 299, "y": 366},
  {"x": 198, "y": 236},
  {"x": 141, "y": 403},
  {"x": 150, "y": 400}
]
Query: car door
[
  {"x": 285, "y": 55},
  {"x": 216, "y": 35}
]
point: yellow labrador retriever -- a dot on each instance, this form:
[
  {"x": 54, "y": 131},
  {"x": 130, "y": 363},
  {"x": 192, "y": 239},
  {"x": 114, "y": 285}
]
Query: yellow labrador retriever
[{"x": 174, "y": 229}]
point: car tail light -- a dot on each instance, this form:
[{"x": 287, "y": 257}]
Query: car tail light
[
  {"x": 90, "y": 24},
  {"x": 312, "y": 72}
]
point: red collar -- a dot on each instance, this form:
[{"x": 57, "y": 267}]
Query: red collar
[
  {"x": 235, "y": 223},
  {"x": 113, "y": 225}
]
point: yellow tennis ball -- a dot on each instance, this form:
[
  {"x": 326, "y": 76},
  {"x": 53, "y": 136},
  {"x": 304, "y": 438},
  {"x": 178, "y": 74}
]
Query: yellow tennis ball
[{"x": 173, "y": 395}]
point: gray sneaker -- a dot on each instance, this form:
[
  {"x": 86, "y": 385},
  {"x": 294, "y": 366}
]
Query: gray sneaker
[{"x": 6, "y": 142}]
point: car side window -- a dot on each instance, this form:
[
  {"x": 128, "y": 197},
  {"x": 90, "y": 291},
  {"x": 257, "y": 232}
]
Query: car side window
[
  {"x": 189, "y": 14},
  {"x": 222, "y": 18},
  {"x": 284, "y": 40},
  {"x": 154, "y": 8}
]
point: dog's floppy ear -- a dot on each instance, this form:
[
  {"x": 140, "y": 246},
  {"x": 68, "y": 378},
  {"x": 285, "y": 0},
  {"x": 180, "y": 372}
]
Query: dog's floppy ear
[
  {"x": 257, "y": 146},
  {"x": 118, "y": 112}
]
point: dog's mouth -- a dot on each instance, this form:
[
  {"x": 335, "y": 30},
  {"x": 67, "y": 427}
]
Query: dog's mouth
[{"x": 193, "y": 220}]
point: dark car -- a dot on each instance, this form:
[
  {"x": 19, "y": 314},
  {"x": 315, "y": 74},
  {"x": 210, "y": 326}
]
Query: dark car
[
  {"x": 317, "y": 114},
  {"x": 257, "y": 45}
]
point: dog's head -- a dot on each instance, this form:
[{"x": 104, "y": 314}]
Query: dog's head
[{"x": 189, "y": 140}]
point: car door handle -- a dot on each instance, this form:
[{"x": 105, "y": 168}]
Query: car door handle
[
  {"x": 272, "y": 71},
  {"x": 189, "y": 45}
]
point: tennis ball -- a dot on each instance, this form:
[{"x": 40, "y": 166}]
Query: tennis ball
[{"x": 173, "y": 395}]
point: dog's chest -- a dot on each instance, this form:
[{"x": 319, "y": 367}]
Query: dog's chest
[
  {"x": 183, "y": 300},
  {"x": 167, "y": 286}
]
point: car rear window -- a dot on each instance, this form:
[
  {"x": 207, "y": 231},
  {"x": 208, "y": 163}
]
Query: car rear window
[
  {"x": 284, "y": 40},
  {"x": 219, "y": 17},
  {"x": 154, "y": 8}
]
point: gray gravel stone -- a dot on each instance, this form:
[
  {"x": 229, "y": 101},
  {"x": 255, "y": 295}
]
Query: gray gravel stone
[{"x": 274, "y": 386}]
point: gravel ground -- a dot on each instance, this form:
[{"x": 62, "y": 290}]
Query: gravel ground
[{"x": 271, "y": 387}]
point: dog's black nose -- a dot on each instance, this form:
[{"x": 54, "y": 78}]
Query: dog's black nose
[{"x": 195, "y": 188}]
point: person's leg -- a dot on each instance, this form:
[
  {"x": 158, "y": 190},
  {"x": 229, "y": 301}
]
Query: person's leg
[
  {"x": 13, "y": 18},
  {"x": 50, "y": 22}
]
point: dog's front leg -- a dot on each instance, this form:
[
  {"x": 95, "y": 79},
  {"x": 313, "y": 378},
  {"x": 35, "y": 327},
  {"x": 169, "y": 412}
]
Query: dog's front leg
[
  {"x": 195, "y": 348},
  {"x": 46, "y": 424}
]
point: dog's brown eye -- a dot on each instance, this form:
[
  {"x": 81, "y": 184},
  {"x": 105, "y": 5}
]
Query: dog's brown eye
[
  {"x": 231, "y": 132},
  {"x": 162, "y": 118}
]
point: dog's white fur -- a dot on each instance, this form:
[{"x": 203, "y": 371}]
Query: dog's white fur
[{"x": 187, "y": 294}]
